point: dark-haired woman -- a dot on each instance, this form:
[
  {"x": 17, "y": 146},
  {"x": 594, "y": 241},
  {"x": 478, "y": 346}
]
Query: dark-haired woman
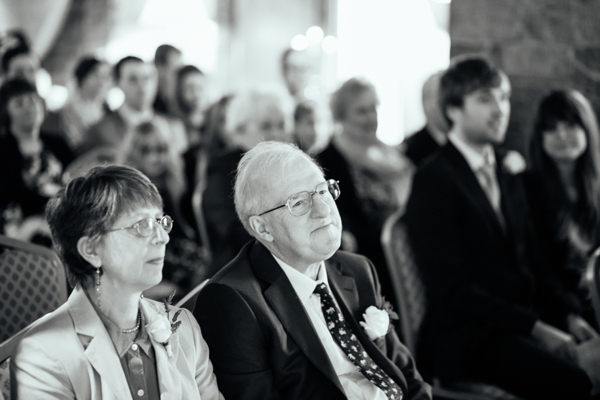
[
  {"x": 563, "y": 188},
  {"x": 107, "y": 341},
  {"x": 87, "y": 104},
  {"x": 31, "y": 163}
]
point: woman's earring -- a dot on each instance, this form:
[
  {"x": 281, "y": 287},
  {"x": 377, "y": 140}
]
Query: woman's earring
[{"x": 98, "y": 286}]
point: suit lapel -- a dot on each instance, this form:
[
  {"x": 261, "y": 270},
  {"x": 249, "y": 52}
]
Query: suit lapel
[
  {"x": 169, "y": 380},
  {"x": 346, "y": 293},
  {"x": 290, "y": 311},
  {"x": 467, "y": 181},
  {"x": 100, "y": 350}
]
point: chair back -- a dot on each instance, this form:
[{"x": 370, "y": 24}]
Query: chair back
[
  {"x": 33, "y": 284},
  {"x": 592, "y": 278},
  {"x": 189, "y": 300},
  {"x": 407, "y": 282}
]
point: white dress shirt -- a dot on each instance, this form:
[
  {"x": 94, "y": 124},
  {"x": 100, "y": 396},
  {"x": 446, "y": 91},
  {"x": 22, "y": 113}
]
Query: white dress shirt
[
  {"x": 356, "y": 386},
  {"x": 477, "y": 161}
]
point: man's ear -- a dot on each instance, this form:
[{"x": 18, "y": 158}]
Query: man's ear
[
  {"x": 87, "y": 249},
  {"x": 260, "y": 228},
  {"x": 453, "y": 113}
]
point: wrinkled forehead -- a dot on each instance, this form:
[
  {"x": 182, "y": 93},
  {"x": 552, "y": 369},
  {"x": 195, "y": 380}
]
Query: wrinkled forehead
[{"x": 280, "y": 182}]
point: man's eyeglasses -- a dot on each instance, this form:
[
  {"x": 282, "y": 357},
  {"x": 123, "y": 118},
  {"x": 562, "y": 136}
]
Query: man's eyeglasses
[
  {"x": 301, "y": 203},
  {"x": 146, "y": 226}
]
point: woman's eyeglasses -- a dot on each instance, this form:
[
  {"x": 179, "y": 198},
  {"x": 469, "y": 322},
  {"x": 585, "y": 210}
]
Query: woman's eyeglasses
[{"x": 146, "y": 226}]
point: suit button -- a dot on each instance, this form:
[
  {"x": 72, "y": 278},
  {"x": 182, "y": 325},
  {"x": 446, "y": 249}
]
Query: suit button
[
  {"x": 134, "y": 347},
  {"x": 140, "y": 392}
]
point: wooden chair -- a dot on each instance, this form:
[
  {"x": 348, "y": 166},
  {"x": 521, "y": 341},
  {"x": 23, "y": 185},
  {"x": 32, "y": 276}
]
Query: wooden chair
[
  {"x": 33, "y": 284},
  {"x": 592, "y": 278},
  {"x": 189, "y": 300},
  {"x": 410, "y": 293}
]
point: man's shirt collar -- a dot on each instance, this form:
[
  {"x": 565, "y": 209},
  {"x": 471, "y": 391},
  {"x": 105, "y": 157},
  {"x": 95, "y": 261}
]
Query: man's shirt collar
[
  {"x": 474, "y": 157},
  {"x": 302, "y": 283}
]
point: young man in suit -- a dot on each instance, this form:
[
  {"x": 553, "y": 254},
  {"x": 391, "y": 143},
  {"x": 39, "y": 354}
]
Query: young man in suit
[
  {"x": 467, "y": 226},
  {"x": 138, "y": 81},
  {"x": 282, "y": 319}
]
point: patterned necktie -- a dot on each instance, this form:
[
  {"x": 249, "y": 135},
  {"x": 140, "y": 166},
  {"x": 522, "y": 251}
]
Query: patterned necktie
[{"x": 341, "y": 332}]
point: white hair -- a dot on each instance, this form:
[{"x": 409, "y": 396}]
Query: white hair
[
  {"x": 251, "y": 170},
  {"x": 245, "y": 107}
]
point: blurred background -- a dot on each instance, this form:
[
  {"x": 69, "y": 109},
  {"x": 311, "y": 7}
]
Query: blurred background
[{"x": 394, "y": 44}]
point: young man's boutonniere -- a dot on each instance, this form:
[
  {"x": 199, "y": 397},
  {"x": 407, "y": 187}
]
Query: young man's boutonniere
[
  {"x": 160, "y": 328},
  {"x": 377, "y": 322},
  {"x": 514, "y": 163}
]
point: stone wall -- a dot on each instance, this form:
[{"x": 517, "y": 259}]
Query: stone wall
[{"x": 540, "y": 44}]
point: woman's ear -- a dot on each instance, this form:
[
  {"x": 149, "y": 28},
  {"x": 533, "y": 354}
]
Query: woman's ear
[
  {"x": 87, "y": 249},
  {"x": 260, "y": 228}
]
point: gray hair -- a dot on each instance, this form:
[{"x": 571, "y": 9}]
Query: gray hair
[
  {"x": 246, "y": 106},
  {"x": 253, "y": 166}
]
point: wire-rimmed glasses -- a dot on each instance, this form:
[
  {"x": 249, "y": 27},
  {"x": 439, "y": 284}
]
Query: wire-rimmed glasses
[
  {"x": 145, "y": 227},
  {"x": 301, "y": 203}
]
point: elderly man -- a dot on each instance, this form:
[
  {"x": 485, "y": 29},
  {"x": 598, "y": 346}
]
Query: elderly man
[{"x": 282, "y": 319}]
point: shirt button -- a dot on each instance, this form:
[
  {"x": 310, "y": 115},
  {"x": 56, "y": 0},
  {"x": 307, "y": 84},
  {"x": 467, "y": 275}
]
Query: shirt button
[
  {"x": 140, "y": 392},
  {"x": 134, "y": 347}
]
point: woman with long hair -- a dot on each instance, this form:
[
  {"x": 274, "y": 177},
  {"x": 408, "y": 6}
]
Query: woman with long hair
[{"x": 563, "y": 187}]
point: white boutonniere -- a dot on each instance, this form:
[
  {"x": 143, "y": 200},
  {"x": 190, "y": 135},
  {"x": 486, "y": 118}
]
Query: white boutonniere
[
  {"x": 377, "y": 322},
  {"x": 160, "y": 328},
  {"x": 514, "y": 163}
]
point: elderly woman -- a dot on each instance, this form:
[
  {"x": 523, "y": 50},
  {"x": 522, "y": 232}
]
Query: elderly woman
[
  {"x": 375, "y": 177},
  {"x": 251, "y": 117},
  {"x": 107, "y": 341}
]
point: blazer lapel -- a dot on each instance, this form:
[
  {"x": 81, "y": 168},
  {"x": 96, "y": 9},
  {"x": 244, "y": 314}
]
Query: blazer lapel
[
  {"x": 169, "y": 380},
  {"x": 345, "y": 291},
  {"x": 466, "y": 179},
  {"x": 290, "y": 311},
  {"x": 100, "y": 350}
]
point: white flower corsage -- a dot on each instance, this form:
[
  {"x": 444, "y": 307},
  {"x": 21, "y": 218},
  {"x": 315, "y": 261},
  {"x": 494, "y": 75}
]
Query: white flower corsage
[
  {"x": 377, "y": 322},
  {"x": 514, "y": 163},
  {"x": 160, "y": 329}
]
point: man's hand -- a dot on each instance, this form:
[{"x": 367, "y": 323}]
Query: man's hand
[
  {"x": 556, "y": 341},
  {"x": 580, "y": 328}
]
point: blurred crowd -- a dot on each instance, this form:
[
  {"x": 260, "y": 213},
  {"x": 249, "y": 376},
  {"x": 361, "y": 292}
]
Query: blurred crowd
[{"x": 190, "y": 147}]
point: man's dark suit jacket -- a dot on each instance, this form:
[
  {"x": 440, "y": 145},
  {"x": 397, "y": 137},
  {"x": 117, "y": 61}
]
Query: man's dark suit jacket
[
  {"x": 475, "y": 269},
  {"x": 262, "y": 343},
  {"x": 420, "y": 146}
]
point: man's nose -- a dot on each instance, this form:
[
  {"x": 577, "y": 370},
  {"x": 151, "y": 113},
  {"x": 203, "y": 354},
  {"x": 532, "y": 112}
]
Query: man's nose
[{"x": 320, "y": 208}]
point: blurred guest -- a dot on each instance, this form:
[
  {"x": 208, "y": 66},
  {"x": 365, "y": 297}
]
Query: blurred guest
[
  {"x": 563, "y": 187},
  {"x": 167, "y": 60},
  {"x": 305, "y": 133},
  {"x": 148, "y": 149},
  {"x": 87, "y": 104},
  {"x": 467, "y": 222},
  {"x": 432, "y": 137},
  {"x": 191, "y": 100},
  {"x": 295, "y": 67},
  {"x": 198, "y": 156},
  {"x": 107, "y": 341},
  {"x": 137, "y": 79},
  {"x": 20, "y": 62},
  {"x": 252, "y": 117},
  {"x": 31, "y": 162},
  {"x": 375, "y": 176}
]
